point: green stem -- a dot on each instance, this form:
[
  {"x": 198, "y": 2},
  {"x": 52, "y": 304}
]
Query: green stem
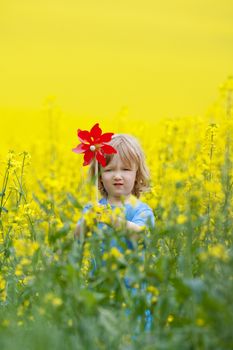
[
  {"x": 22, "y": 194},
  {"x": 4, "y": 185}
]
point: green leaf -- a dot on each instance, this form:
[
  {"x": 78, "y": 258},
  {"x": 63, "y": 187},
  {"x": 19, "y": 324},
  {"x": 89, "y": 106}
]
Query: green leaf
[
  {"x": 4, "y": 209},
  {"x": 74, "y": 201}
]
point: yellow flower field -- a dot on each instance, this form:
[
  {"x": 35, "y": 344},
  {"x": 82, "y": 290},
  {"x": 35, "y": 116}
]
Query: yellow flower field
[{"x": 183, "y": 277}]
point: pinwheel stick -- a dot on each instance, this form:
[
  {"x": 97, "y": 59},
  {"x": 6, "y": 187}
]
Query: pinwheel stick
[{"x": 96, "y": 179}]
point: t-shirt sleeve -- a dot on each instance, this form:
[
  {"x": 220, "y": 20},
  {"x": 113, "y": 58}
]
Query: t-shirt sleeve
[{"x": 144, "y": 217}]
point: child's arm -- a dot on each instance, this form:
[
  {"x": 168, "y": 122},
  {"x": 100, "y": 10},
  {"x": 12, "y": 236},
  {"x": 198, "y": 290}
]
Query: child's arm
[
  {"x": 134, "y": 227},
  {"x": 142, "y": 220},
  {"x": 129, "y": 225},
  {"x": 77, "y": 231},
  {"x": 135, "y": 230},
  {"x": 80, "y": 230}
]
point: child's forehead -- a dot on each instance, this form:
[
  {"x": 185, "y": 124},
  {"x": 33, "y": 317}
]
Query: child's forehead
[{"x": 117, "y": 159}]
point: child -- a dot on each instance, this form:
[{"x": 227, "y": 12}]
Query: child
[{"x": 124, "y": 177}]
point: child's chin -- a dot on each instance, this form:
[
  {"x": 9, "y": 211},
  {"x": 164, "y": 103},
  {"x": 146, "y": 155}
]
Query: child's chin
[{"x": 119, "y": 190}]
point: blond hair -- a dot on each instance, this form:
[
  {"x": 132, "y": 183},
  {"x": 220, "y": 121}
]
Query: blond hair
[{"x": 129, "y": 151}]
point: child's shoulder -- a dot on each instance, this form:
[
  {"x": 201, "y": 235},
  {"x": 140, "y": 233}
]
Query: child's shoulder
[
  {"x": 86, "y": 208},
  {"x": 138, "y": 205},
  {"x": 140, "y": 213},
  {"x": 103, "y": 201}
]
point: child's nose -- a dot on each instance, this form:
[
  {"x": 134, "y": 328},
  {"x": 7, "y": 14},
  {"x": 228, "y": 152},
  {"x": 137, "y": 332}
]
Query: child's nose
[{"x": 117, "y": 175}]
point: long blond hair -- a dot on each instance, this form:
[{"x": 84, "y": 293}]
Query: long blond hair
[{"x": 129, "y": 151}]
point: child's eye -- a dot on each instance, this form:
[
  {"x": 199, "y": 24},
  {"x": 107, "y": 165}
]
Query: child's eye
[{"x": 126, "y": 169}]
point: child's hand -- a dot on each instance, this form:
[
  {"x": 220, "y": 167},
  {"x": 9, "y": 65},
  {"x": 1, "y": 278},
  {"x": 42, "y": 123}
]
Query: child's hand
[
  {"x": 118, "y": 222},
  {"x": 112, "y": 217}
]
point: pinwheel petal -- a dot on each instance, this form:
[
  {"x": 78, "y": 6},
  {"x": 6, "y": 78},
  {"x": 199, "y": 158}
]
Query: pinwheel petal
[
  {"x": 96, "y": 132},
  {"x": 88, "y": 156},
  {"x": 81, "y": 148},
  {"x": 100, "y": 158},
  {"x": 106, "y": 137},
  {"x": 108, "y": 149},
  {"x": 92, "y": 138},
  {"x": 84, "y": 136}
]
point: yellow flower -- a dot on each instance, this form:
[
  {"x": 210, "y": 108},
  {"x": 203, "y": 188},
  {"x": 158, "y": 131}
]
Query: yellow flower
[
  {"x": 3, "y": 294},
  {"x": 114, "y": 252},
  {"x": 48, "y": 297},
  {"x": 20, "y": 311},
  {"x": 214, "y": 187},
  {"x": 153, "y": 290},
  {"x": 181, "y": 219},
  {"x": 18, "y": 270},
  {"x": 25, "y": 247},
  {"x": 112, "y": 294},
  {"x": 118, "y": 211},
  {"x": 105, "y": 256},
  {"x": 25, "y": 261},
  {"x": 89, "y": 217},
  {"x": 51, "y": 297},
  {"x": 203, "y": 256},
  {"x": 170, "y": 318},
  {"x": 70, "y": 322},
  {"x": 154, "y": 299},
  {"x": 218, "y": 251},
  {"x": 28, "y": 279},
  {"x": 114, "y": 267},
  {"x": 133, "y": 200},
  {"x": 26, "y": 303},
  {"x": 200, "y": 322},
  {"x": 57, "y": 301},
  {"x": 5, "y": 323},
  {"x": 2, "y": 283}
]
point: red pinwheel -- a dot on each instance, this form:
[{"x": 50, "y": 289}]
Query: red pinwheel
[{"x": 93, "y": 145}]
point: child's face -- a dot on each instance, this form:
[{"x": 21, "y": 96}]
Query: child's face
[{"x": 118, "y": 179}]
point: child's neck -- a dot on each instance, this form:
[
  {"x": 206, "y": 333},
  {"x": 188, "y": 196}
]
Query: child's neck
[{"x": 119, "y": 202}]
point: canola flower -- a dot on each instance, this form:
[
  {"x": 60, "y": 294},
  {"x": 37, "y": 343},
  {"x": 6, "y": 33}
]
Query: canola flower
[
  {"x": 218, "y": 251},
  {"x": 53, "y": 299}
]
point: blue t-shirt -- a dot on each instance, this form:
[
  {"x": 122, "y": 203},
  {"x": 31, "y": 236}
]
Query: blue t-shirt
[{"x": 140, "y": 213}]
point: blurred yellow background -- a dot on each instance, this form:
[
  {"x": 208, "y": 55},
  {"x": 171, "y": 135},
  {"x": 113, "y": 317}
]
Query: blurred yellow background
[{"x": 150, "y": 59}]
